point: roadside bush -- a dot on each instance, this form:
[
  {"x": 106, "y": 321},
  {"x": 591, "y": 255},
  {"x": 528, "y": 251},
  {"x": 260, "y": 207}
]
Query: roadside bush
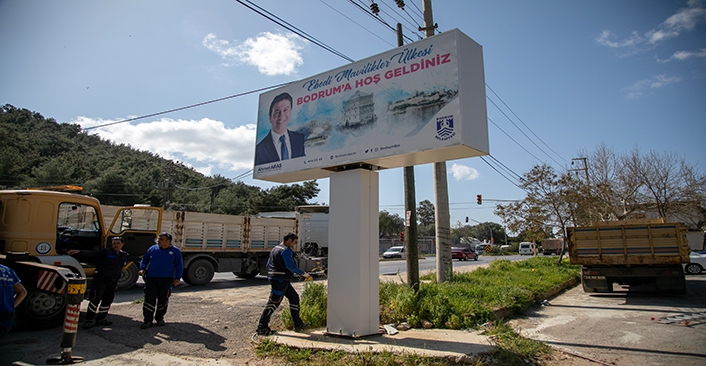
[
  {"x": 312, "y": 305},
  {"x": 471, "y": 299}
]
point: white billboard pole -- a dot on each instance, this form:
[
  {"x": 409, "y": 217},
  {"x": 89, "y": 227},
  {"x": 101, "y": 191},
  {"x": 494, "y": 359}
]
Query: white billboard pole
[{"x": 353, "y": 283}]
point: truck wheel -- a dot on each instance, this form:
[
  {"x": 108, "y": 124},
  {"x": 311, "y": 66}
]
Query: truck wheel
[
  {"x": 128, "y": 277},
  {"x": 199, "y": 272},
  {"x": 693, "y": 268},
  {"x": 41, "y": 310}
]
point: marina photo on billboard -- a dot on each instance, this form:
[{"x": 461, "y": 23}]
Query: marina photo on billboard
[{"x": 419, "y": 103}]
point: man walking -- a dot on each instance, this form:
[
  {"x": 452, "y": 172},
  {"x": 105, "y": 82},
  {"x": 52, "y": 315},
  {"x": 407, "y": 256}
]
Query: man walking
[
  {"x": 105, "y": 280},
  {"x": 280, "y": 271},
  {"x": 161, "y": 268},
  {"x": 11, "y": 295}
]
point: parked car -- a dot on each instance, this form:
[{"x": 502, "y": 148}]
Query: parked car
[
  {"x": 463, "y": 254},
  {"x": 697, "y": 263},
  {"x": 394, "y": 252}
]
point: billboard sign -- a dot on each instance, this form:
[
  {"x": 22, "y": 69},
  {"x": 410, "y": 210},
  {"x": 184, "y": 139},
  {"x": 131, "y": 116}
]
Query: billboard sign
[{"x": 416, "y": 104}]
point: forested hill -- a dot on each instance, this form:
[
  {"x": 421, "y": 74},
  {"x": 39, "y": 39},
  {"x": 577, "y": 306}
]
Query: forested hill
[{"x": 37, "y": 151}]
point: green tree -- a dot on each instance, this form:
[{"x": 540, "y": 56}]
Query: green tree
[
  {"x": 425, "y": 217},
  {"x": 38, "y": 151},
  {"x": 390, "y": 224},
  {"x": 285, "y": 197}
]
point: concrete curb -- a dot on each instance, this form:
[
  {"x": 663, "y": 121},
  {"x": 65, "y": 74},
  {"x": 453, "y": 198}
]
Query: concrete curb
[{"x": 456, "y": 345}]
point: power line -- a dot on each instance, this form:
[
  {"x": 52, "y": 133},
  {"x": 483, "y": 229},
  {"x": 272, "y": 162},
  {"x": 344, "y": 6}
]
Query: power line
[
  {"x": 524, "y": 124},
  {"x": 415, "y": 23},
  {"x": 283, "y": 23},
  {"x": 186, "y": 107},
  {"x": 523, "y": 133},
  {"x": 506, "y": 168},
  {"x": 358, "y": 24},
  {"x": 501, "y": 174},
  {"x": 513, "y": 140},
  {"x": 379, "y": 19}
]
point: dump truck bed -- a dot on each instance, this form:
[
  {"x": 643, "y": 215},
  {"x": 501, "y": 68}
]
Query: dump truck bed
[{"x": 628, "y": 244}]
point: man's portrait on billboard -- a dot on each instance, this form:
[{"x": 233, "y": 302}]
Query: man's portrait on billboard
[{"x": 280, "y": 144}]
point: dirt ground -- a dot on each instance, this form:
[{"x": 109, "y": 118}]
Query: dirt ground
[
  {"x": 215, "y": 325},
  {"x": 219, "y": 332}
]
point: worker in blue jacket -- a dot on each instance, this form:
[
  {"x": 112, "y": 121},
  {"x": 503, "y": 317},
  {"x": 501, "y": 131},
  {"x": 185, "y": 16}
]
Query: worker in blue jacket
[
  {"x": 161, "y": 268},
  {"x": 280, "y": 272}
]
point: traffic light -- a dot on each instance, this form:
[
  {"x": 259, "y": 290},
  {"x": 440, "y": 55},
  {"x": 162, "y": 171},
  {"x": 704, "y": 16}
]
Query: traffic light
[
  {"x": 402, "y": 236},
  {"x": 479, "y": 199}
]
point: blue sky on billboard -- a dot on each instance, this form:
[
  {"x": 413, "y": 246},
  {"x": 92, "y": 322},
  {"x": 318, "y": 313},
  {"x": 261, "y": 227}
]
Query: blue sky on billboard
[{"x": 561, "y": 77}]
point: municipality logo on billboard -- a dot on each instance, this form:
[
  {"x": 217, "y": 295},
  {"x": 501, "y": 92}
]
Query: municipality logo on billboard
[{"x": 445, "y": 128}]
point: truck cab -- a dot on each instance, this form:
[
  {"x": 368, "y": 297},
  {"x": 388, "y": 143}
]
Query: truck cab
[{"x": 42, "y": 225}]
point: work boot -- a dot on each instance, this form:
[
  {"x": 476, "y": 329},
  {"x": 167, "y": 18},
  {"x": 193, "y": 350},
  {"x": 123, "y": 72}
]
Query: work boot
[
  {"x": 104, "y": 322},
  {"x": 160, "y": 323},
  {"x": 89, "y": 324},
  {"x": 264, "y": 331},
  {"x": 146, "y": 325},
  {"x": 302, "y": 327}
]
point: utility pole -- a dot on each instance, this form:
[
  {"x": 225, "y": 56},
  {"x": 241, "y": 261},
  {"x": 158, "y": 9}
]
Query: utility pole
[
  {"x": 444, "y": 266},
  {"x": 584, "y": 168},
  {"x": 410, "y": 207}
]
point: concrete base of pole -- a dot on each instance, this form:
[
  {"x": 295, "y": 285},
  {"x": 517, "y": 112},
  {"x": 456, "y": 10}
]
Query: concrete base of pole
[{"x": 65, "y": 359}]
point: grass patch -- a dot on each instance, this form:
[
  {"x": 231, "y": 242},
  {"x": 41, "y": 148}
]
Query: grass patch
[
  {"x": 473, "y": 297},
  {"x": 296, "y": 356},
  {"x": 513, "y": 350},
  {"x": 470, "y": 300},
  {"x": 312, "y": 305}
]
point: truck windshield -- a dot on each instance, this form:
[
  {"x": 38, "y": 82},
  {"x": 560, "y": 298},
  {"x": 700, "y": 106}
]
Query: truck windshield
[{"x": 76, "y": 216}]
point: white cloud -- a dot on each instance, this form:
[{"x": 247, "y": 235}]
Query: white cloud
[
  {"x": 272, "y": 54},
  {"x": 639, "y": 88},
  {"x": 202, "y": 144},
  {"x": 685, "y": 55},
  {"x": 463, "y": 172},
  {"x": 685, "y": 19},
  {"x": 605, "y": 39}
]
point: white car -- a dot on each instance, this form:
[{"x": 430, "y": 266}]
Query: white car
[
  {"x": 697, "y": 263},
  {"x": 394, "y": 252}
]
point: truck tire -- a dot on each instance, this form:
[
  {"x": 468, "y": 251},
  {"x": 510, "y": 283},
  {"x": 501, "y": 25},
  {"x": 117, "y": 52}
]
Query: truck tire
[
  {"x": 41, "y": 310},
  {"x": 128, "y": 277},
  {"x": 199, "y": 272}
]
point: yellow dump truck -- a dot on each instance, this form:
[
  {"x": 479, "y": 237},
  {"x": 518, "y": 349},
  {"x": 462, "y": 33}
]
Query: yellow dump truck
[
  {"x": 213, "y": 243},
  {"x": 630, "y": 253},
  {"x": 36, "y": 228}
]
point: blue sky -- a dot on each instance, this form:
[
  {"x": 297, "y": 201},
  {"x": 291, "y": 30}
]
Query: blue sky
[{"x": 628, "y": 73}]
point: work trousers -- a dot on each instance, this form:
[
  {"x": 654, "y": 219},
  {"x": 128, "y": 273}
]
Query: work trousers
[
  {"x": 101, "y": 297},
  {"x": 279, "y": 289},
  {"x": 157, "y": 292}
]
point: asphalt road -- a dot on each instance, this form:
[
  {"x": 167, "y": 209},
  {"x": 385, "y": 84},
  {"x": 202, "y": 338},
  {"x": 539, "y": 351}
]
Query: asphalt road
[{"x": 392, "y": 267}]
